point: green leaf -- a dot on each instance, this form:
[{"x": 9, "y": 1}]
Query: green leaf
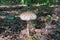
[{"x": 22, "y": 1}]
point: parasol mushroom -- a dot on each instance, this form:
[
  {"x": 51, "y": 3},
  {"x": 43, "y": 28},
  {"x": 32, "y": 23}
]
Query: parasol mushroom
[{"x": 27, "y": 16}]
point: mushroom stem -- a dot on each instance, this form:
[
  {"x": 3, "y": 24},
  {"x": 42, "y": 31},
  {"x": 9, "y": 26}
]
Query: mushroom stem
[{"x": 28, "y": 28}]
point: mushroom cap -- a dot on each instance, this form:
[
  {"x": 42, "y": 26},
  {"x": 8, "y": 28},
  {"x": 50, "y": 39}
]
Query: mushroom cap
[{"x": 28, "y": 16}]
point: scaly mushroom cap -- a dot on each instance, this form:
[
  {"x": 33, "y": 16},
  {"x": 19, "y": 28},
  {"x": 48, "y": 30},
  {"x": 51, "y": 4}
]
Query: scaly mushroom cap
[{"x": 28, "y": 16}]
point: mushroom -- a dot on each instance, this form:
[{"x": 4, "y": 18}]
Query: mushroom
[{"x": 27, "y": 16}]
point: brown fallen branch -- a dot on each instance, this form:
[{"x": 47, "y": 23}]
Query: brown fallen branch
[
  {"x": 11, "y": 7},
  {"x": 11, "y": 12},
  {"x": 16, "y": 13},
  {"x": 3, "y": 17},
  {"x": 14, "y": 7},
  {"x": 7, "y": 13},
  {"x": 2, "y": 6}
]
